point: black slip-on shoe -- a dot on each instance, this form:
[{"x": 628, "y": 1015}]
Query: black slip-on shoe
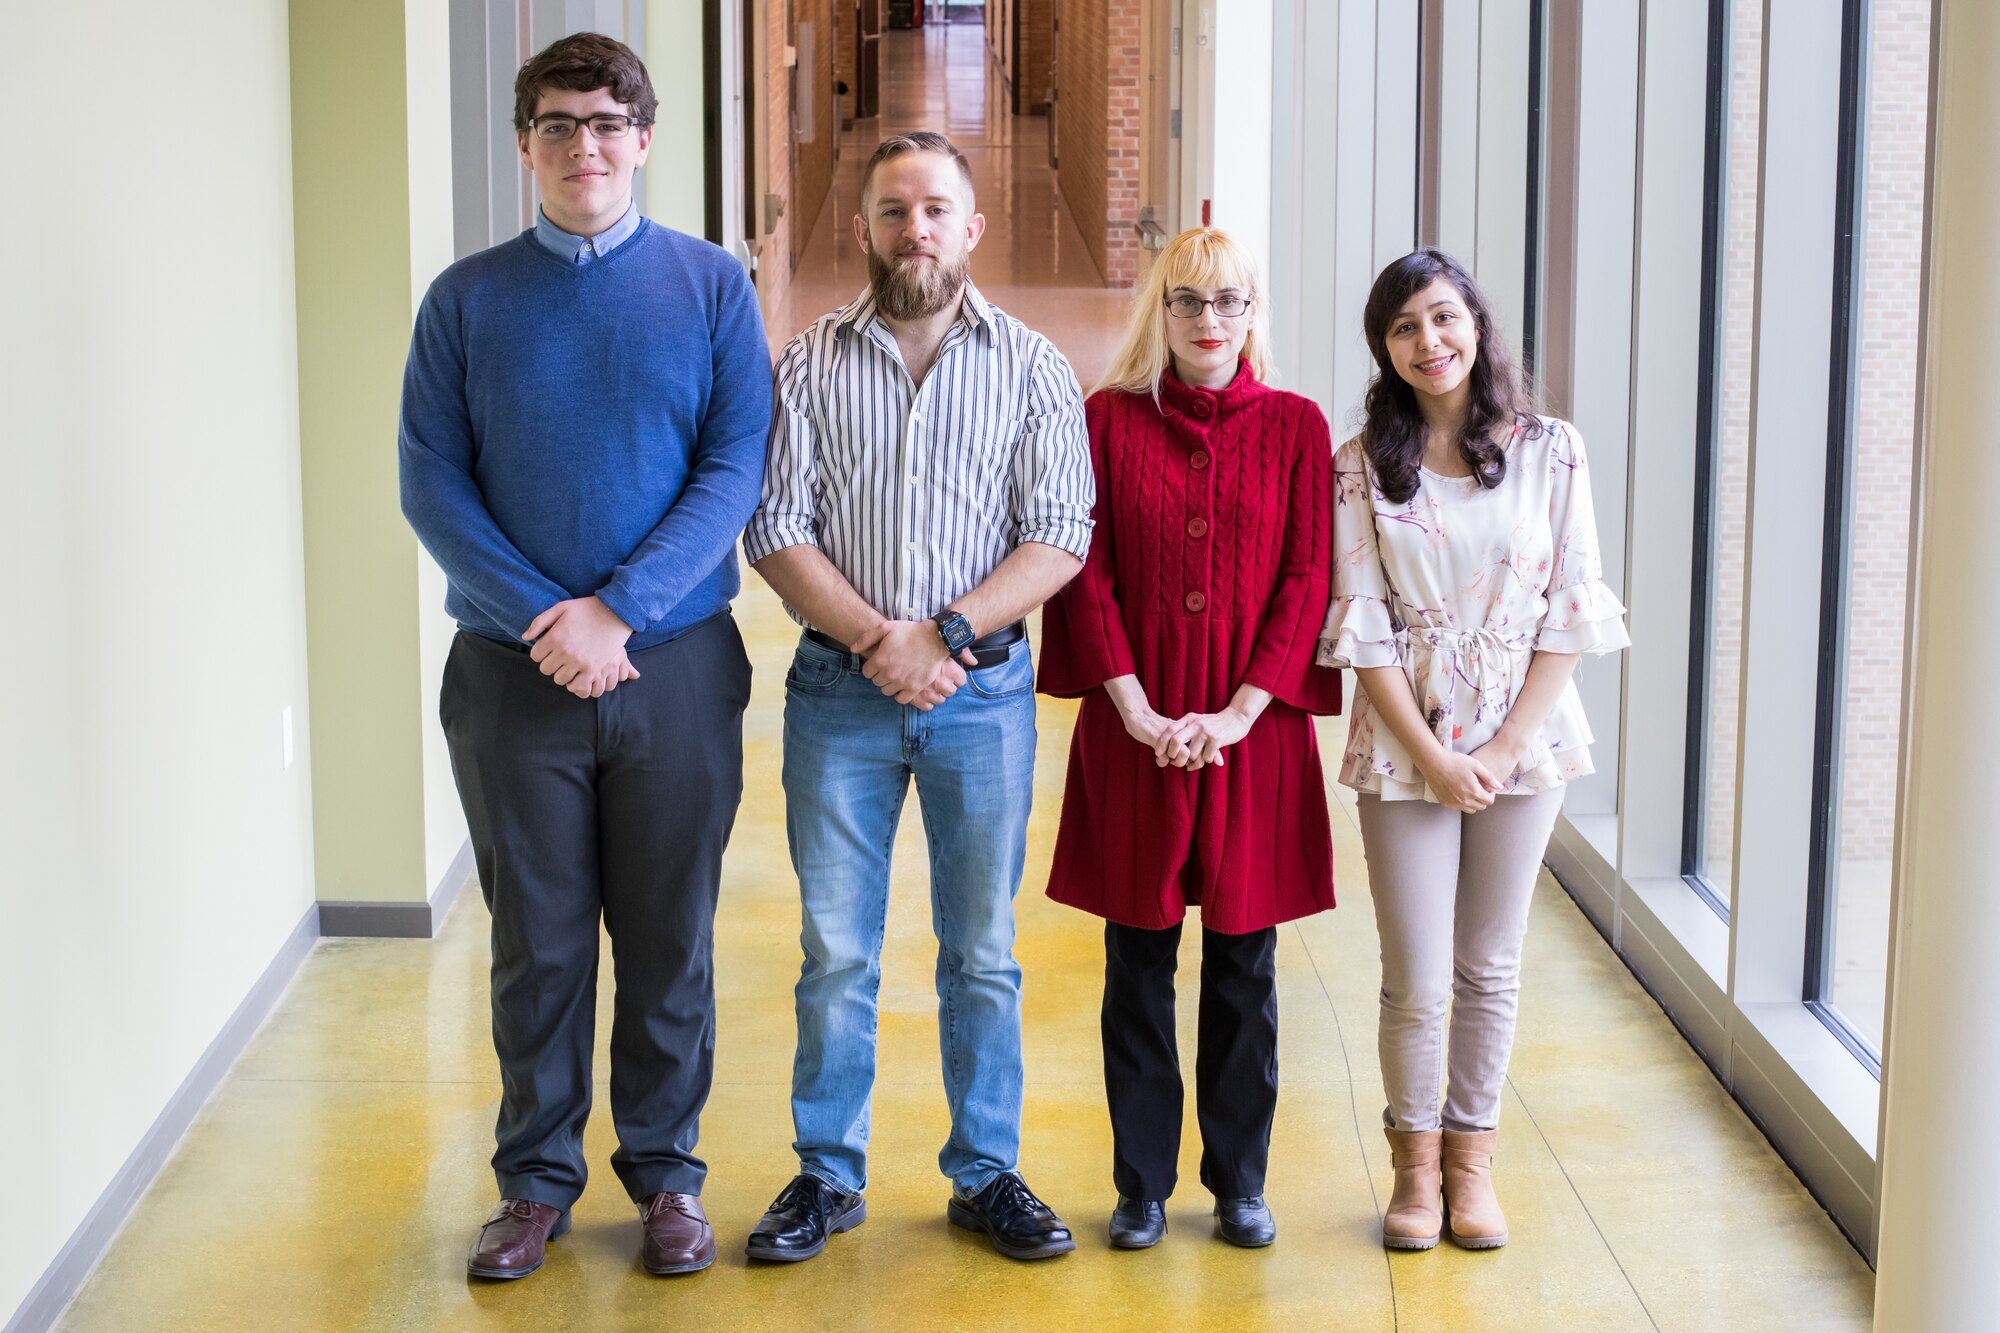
[
  {"x": 1245, "y": 1222},
  {"x": 802, "y": 1217},
  {"x": 1138, "y": 1224}
]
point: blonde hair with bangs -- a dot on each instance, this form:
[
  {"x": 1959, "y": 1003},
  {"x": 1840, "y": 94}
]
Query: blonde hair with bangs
[{"x": 1198, "y": 257}]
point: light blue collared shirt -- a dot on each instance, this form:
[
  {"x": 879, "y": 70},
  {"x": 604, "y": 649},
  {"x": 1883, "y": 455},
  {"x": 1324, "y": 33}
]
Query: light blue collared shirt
[{"x": 582, "y": 249}]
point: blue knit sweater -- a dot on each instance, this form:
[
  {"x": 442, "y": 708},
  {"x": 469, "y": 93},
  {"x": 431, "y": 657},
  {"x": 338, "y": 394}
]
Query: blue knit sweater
[{"x": 570, "y": 429}]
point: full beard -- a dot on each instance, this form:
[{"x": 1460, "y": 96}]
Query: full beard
[{"x": 910, "y": 290}]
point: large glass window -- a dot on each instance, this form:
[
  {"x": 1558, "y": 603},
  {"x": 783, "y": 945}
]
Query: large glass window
[
  {"x": 1737, "y": 47},
  {"x": 1869, "y": 512}
]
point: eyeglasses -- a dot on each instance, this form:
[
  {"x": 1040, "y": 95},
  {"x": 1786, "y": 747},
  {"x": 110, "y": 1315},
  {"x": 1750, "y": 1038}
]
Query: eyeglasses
[
  {"x": 1228, "y": 305},
  {"x": 555, "y": 128}
]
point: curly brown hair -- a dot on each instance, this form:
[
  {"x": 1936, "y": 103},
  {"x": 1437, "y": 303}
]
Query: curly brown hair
[{"x": 583, "y": 62}]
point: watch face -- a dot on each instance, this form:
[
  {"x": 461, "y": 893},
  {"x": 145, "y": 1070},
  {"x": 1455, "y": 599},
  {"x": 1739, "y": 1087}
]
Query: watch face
[{"x": 955, "y": 630}]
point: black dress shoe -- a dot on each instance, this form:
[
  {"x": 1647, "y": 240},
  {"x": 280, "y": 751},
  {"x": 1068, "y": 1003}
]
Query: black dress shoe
[
  {"x": 1138, "y": 1224},
  {"x": 802, "y": 1217},
  {"x": 1019, "y": 1225},
  {"x": 1245, "y": 1222}
]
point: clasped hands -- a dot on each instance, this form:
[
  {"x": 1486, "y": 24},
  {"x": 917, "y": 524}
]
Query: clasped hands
[
  {"x": 1468, "y": 783},
  {"x": 581, "y": 645},
  {"x": 1193, "y": 741},
  {"x": 907, "y": 660}
]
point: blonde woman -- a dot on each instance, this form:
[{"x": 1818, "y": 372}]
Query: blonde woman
[{"x": 1194, "y": 779}]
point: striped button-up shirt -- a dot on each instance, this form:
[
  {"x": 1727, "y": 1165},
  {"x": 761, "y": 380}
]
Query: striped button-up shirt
[{"x": 916, "y": 492}]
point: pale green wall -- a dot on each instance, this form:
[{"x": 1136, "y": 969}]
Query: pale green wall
[
  {"x": 426, "y": 35},
  {"x": 675, "y": 194},
  {"x": 372, "y": 188},
  {"x": 155, "y": 852}
]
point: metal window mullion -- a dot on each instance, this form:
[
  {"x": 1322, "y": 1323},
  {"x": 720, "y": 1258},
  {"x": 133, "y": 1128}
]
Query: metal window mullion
[
  {"x": 1820, "y": 876},
  {"x": 1708, "y": 420}
]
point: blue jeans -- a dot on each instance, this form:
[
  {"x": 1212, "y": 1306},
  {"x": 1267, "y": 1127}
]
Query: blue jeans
[{"x": 850, "y": 752}]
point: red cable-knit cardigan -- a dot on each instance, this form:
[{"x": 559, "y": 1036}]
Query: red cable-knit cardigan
[{"x": 1209, "y": 567}]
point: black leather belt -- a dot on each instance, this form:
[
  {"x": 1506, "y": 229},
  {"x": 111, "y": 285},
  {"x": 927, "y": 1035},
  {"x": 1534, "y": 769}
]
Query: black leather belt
[{"x": 995, "y": 643}]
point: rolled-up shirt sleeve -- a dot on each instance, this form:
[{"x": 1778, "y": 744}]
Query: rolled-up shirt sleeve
[
  {"x": 1051, "y": 488},
  {"x": 787, "y": 512}
]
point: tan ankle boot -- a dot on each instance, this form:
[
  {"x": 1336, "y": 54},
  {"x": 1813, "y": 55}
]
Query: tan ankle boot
[
  {"x": 1469, "y": 1202},
  {"x": 1413, "y": 1219}
]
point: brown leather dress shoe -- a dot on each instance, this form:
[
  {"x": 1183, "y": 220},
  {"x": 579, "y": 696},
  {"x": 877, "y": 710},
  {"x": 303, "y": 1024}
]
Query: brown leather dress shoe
[
  {"x": 678, "y": 1236},
  {"x": 512, "y": 1242}
]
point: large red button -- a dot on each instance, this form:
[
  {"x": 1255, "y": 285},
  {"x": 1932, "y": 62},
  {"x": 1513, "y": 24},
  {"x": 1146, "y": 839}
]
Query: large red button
[
  {"x": 1198, "y": 460},
  {"x": 1195, "y": 601},
  {"x": 1197, "y": 527},
  {"x": 1203, "y": 408}
]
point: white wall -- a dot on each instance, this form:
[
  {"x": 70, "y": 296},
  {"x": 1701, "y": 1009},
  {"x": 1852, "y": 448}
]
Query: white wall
[
  {"x": 1343, "y": 185},
  {"x": 1598, "y": 320},
  {"x": 157, "y": 851},
  {"x": 1500, "y": 237},
  {"x": 676, "y": 164},
  {"x": 1242, "y": 120}
]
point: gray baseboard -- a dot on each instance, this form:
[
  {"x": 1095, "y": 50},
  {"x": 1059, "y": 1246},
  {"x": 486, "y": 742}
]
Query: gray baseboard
[
  {"x": 400, "y": 921},
  {"x": 65, "y": 1276},
  {"x": 93, "y": 1236}
]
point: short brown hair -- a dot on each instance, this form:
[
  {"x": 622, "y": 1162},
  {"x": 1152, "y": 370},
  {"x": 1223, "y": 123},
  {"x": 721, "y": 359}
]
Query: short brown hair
[
  {"x": 584, "y": 62},
  {"x": 917, "y": 141}
]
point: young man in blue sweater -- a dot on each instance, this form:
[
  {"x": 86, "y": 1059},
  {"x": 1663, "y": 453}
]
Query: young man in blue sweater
[{"x": 583, "y": 431}]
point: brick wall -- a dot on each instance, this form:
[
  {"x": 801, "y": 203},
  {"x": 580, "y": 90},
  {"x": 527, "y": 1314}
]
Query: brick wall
[
  {"x": 1097, "y": 129},
  {"x": 815, "y": 159},
  {"x": 774, "y": 265},
  {"x": 805, "y": 191},
  {"x": 845, "y": 55},
  {"x": 1033, "y": 56},
  {"x": 1000, "y": 37}
]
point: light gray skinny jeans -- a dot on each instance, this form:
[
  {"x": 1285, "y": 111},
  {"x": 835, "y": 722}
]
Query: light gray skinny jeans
[{"x": 1451, "y": 897}]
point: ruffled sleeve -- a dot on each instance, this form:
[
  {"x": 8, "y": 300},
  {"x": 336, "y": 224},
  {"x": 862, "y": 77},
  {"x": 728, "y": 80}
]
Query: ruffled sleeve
[
  {"x": 1583, "y": 614},
  {"x": 1358, "y": 631},
  {"x": 1283, "y": 659},
  {"x": 1084, "y": 642}
]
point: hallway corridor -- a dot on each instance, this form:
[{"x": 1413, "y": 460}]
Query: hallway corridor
[
  {"x": 335, "y": 1180},
  {"x": 1031, "y": 263}
]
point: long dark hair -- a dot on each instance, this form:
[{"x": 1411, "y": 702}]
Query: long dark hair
[{"x": 1393, "y": 432}]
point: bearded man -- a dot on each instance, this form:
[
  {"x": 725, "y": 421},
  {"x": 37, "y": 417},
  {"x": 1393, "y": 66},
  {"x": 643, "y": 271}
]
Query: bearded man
[{"x": 927, "y": 484}]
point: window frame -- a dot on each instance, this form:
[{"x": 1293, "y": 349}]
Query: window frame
[
  {"x": 1733, "y": 987},
  {"x": 1708, "y": 431}
]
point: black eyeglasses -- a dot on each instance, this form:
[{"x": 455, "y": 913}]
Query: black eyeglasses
[
  {"x": 1228, "y": 305},
  {"x": 555, "y": 127}
]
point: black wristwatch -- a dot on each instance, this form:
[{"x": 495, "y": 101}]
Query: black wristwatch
[{"x": 954, "y": 629}]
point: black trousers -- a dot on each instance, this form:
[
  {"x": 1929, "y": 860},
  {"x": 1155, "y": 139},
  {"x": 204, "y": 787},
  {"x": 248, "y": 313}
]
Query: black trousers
[
  {"x": 1236, "y": 1059},
  {"x": 616, "y": 808}
]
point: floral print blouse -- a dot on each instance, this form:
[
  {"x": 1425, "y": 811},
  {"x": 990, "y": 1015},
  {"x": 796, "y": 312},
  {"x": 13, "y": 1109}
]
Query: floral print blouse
[{"x": 1460, "y": 586}]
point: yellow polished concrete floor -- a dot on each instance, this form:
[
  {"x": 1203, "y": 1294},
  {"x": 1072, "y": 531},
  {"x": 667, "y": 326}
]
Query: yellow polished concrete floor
[
  {"x": 337, "y": 1177},
  {"x": 339, "y": 1174}
]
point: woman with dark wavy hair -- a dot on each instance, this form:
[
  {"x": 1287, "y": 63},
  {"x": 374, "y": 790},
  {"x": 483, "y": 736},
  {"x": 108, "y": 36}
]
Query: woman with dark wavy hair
[{"x": 1466, "y": 583}]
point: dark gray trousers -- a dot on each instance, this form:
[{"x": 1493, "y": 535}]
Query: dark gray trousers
[{"x": 618, "y": 808}]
